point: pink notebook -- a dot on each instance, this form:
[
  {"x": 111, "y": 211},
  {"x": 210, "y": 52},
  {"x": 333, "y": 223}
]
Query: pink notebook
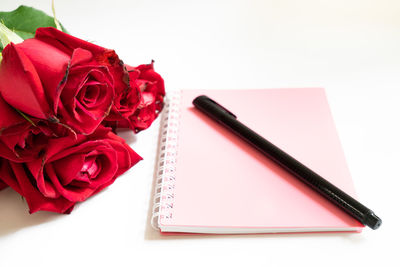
[{"x": 210, "y": 181}]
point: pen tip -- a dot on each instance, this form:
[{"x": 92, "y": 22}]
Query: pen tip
[{"x": 373, "y": 221}]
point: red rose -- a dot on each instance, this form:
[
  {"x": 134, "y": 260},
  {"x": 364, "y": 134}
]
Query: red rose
[
  {"x": 151, "y": 86},
  {"x": 126, "y": 98},
  {"x": 58, "y": 77},
  {"x": 71, "y": 170}
]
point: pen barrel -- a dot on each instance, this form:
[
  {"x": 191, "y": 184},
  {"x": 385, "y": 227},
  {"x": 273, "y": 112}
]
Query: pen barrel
[{"x": 304, "y": 174}]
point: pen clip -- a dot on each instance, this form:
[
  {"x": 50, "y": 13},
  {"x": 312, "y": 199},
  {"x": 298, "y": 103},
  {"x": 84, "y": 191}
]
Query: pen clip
[{"x": 223, "y": 108}]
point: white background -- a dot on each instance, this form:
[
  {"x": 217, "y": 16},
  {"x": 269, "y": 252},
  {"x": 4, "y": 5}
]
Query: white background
[{"x": 352, "y": 48}]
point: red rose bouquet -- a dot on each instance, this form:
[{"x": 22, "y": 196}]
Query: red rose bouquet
[{"x": 60, "y": 100}]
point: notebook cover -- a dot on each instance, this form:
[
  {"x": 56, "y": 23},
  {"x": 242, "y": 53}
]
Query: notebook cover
[{"x": 223, "y": 184}]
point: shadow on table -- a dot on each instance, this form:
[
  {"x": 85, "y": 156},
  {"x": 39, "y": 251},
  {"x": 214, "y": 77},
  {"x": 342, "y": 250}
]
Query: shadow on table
[{"x": 14, "y": 214}]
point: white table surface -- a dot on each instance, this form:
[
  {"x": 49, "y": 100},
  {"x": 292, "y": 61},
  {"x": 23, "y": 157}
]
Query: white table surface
[{"x": 352, "y": 48}]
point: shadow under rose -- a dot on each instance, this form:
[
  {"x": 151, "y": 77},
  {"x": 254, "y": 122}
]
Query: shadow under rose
[{"x": 14, "y": 213}]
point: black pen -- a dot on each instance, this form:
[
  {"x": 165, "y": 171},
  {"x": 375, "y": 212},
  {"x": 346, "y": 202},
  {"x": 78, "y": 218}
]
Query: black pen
[{"x": 226, "y": 118}]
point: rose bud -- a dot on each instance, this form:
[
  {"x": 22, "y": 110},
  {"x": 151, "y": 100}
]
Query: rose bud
[
  {"x": 70, "y": 171},
  {"x": 57, "y": 77}
]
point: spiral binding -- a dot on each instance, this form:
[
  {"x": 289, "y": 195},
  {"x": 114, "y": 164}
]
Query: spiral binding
[{"x": 163, "y": 203}]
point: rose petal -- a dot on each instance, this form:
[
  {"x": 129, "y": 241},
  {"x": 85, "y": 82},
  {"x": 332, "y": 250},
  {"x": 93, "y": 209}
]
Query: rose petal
[
  {"x": 9, "y": 117},
  {"x": 20, "y": 84},
  {"x": 58, "y": 38},
  {"x": 127, "y": 157},
  {"x": 8, "y": 153},
  {"x": 45, "y": 187},
  {"x": 7, "y": 176},
  {"x": 50, "y": 65},
  {"x": 73, "y": 194},
  {"x": 81, "y": 117},
  {"x": 36, "y": 201},
  {"x": 91, "y": 168},
  {"x": 69, "y": 167},
  {"x": 56, "y": 148},
  {"x": 80, "y": 56}
]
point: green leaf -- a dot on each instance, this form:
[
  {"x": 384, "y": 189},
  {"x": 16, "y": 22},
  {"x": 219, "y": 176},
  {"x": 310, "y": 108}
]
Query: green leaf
[{"x": 25, "y": 20}]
